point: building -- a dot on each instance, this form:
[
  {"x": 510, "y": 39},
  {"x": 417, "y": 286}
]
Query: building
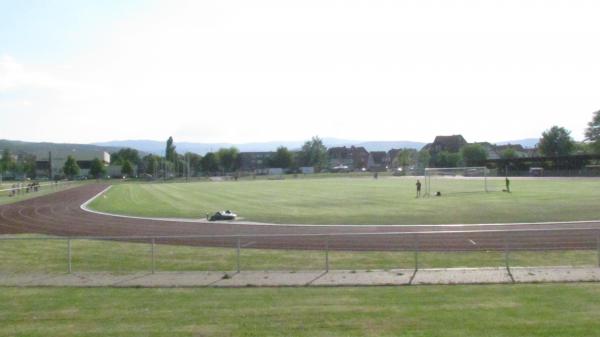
[
  {"x": 53, "y": 165},
  {"x": 254, "y": 161},
  {"x": 275, "y": 171},
  {"x": 114, "y": 171},
  {"x": 451, "y": 144},
  {"x": 355, "y": 158},
  {"x": 378, "y": 161},
  {"x": 519, "y": 150},
  {"x": 392, "y": 155},
  {"x": 307, "y": 170},
  {"x": 496, "y": 151},
  {"x": 393, "y": 160}
]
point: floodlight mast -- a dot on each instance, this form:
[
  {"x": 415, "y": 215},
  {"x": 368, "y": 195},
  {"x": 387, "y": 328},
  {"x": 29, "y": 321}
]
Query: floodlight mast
[{"x": 485, "y": 179}]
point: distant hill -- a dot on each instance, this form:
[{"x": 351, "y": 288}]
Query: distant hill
[
  {"x": 386, "y": 145},
  {"x": 526, "y": 142},
  {"x": 40, "y": 150},
  {"x": 158, "y": 147}
]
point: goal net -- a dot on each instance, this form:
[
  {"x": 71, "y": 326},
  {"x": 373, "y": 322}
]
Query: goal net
[{"x": 459, "y": 180}]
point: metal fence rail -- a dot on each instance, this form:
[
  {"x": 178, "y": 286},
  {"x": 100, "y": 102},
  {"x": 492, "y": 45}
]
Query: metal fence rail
[
  {"x": 19, "y": 187},
  {"x": 400, "y": 250}
]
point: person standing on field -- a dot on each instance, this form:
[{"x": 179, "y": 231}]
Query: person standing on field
[
  {"x": 418, "y": 188},
  {"x": 507, "y": 182}
]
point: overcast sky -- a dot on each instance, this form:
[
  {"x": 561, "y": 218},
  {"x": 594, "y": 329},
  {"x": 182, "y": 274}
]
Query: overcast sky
[{"x": 244, "y": 71}]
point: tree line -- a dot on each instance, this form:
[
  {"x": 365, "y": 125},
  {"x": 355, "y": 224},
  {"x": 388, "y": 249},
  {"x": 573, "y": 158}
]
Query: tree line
[
  {"x": 224, "y": 160},
  {"x": 554, "y": 142}
]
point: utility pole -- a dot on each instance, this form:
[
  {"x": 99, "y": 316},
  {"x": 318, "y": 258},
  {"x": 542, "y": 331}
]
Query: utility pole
[
  {"x": 50, "y": 165},
  {"x": 187, "y": 168}
]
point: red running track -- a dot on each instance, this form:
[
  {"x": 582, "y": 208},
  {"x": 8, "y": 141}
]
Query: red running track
[{"x": 60, "y": 214}]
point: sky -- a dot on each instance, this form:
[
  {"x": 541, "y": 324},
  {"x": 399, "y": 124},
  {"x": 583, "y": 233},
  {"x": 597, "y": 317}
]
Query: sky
[{"x": 253, "y": 71}]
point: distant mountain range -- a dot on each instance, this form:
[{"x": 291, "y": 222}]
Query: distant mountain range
[
  {"x": 41, "y": 149},
  {"x": 158, "y": 147},
  {"x": 59, "y": 150},
  {"x": 527, "y": 142}
]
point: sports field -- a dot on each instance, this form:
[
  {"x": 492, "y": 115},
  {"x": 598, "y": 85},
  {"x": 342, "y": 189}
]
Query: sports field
[
  {"x": 494, "y": 310},
  {"x": 384, "y": 201},
  {"x": 485, "y": 310}
]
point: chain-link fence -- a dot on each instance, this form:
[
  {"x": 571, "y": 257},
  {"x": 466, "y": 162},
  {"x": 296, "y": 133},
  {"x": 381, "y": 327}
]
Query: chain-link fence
[{"x": 294, "y": 252}]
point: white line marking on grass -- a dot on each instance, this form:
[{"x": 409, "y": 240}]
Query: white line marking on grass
[{"x": 85, "y": 207}]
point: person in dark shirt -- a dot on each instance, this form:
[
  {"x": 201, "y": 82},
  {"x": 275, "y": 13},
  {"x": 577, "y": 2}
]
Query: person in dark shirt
[
  {"x": 507, "y": 182},
  {"x": 418, "y": 188}
]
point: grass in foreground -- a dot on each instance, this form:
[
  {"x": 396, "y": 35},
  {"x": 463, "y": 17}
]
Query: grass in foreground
[
  {"x": 23, "y": 256},
  {"x": 361, "y": 201},
  {"x": 555, "y": 310}
]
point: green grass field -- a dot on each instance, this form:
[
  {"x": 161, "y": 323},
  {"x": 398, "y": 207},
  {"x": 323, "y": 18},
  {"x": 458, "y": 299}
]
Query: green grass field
[
  {"x": 552, "y": 310},
  {"x": 388, "y": 200},
  {"x": 50, "y": 256},
  {"x": 44, "y": 190}
]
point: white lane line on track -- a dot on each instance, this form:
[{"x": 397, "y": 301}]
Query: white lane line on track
[
  {"x": 85, "y": 207},
  {"x": 248, "y": 244}
]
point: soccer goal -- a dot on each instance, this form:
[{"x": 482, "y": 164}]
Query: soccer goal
[{"x": 459, "y": 180}]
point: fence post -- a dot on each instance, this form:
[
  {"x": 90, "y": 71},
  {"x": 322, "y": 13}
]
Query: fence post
[
  {"x": 598, "y": 248},
  {"x": 69, "y": 255},
  {"x": 237, "y": 258},
  {"x": 153, "y": 257},
  {"x": 327, "y": 253},
  {"x": 416, "y": 252},
  {"x": 506, "y": 252}
]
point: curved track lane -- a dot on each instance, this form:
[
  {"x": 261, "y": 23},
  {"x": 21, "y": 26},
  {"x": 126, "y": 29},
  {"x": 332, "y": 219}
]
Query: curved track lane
[{"x": 60, "y": 214}]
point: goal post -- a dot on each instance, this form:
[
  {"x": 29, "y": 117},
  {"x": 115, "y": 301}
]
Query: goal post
[{"x": 449, "y": 180}]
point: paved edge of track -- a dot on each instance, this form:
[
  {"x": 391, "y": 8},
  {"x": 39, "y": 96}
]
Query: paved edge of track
[{"x": 306, "y": 278}]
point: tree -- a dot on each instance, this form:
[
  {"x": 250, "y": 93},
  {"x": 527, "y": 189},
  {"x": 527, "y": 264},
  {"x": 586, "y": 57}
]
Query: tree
[
  {"x": 170, "y": 153},
  {"x": 585, "y": 148},
  {"x": 125, "y": 154},
  {"x": 71, "y": 169},
  {"x": 228, "y": 158},
  {"x": 282, "y": 158},
  {"x": 405, "y": 158},
  {"x": 194, "y": 162},
  {"x": 313, "y": 153},
  {"x": 210, "y": 163},
  {"x": 127, "y": 169},
  {"x": 447, "y": 159},
  {"x": 592, "y": 133},
  {"x": 7, "y": 162},
  {"x": 18, "y": 168},
  {"x": 556, "y": 141},
  {"x": 423, "y": 158},
  {"x": 97, "y": 168},
  {"x": 473, "y": 154},
  {"x": 29, "y": 166},
  {"x": 150, "y": 164},
  {"x": 509, "y": 153}
]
